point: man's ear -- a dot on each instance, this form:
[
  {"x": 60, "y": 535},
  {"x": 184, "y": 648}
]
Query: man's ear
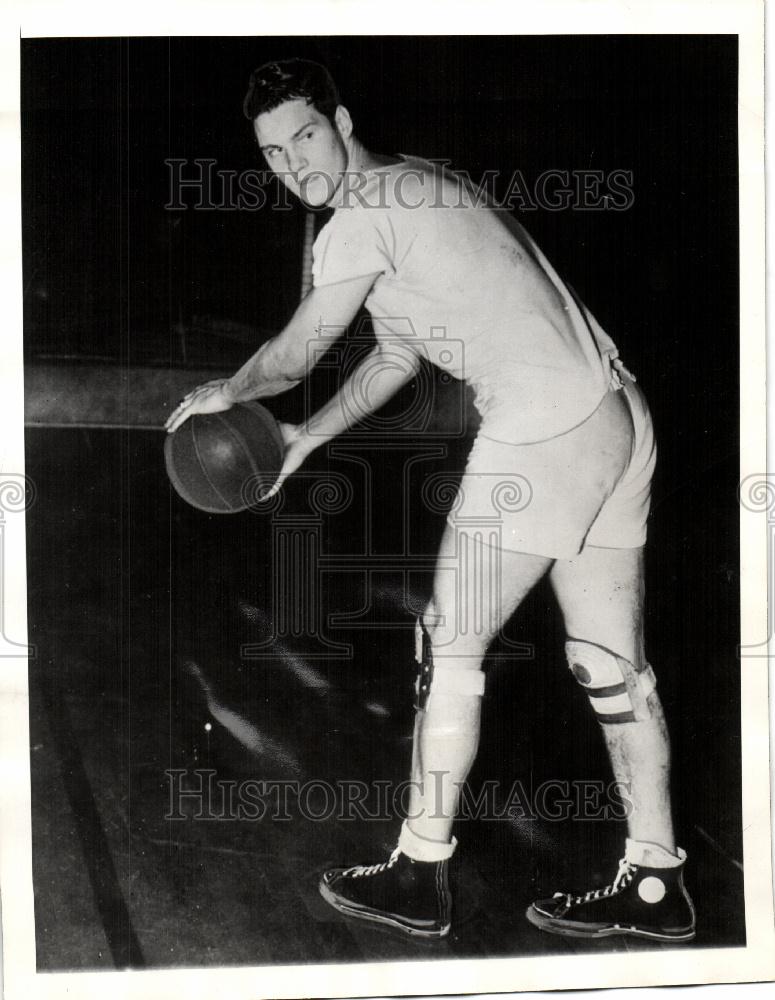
[{"x": 343, "y": 121}]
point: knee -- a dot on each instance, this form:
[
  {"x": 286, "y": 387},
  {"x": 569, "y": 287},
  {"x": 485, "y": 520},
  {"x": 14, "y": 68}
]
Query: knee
[
  {"x": 618, "y": 690},
  {"x": 451, "y": 633},
  {"x": 439, "y": 621},
  {"x": 444, "y": 673}
]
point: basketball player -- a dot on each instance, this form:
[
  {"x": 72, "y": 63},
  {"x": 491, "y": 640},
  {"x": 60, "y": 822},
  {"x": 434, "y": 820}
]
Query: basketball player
[{"x": 559, "y": 411}]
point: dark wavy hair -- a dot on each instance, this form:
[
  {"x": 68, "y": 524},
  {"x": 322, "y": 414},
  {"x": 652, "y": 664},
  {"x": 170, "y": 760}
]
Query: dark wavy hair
[{"x": 276, "y": 82}]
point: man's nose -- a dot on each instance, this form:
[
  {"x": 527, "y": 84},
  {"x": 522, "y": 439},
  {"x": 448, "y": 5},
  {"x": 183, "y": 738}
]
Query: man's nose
[{"x": 296, "y": 160}]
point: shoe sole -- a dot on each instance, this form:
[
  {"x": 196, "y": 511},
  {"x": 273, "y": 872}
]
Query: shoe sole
[
  {"x": 337, "y": 904},
  {"x": 554, "y": 926}
]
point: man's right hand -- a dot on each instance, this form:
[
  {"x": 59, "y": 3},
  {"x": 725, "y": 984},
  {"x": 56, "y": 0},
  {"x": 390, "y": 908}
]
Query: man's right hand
[
  {"x": 210, "y": 397},
  {"x": 298, "y": 446}
]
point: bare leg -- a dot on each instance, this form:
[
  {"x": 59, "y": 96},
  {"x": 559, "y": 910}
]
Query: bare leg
[
  {"x": 476, "y": 589},
  {"x": 601, "y": 594}
]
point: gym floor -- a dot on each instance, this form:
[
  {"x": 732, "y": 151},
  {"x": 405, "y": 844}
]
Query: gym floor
[{"x": 141, "y": 608}]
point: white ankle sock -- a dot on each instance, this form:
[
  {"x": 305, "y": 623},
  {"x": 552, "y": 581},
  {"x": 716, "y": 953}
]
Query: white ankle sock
[
  {"x": 649, "y": 855},
  {"x": 421, "y": 849}
]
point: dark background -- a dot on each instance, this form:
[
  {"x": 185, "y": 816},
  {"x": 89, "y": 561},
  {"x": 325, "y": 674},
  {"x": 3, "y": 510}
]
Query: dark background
[{"x": 110, "y": 275}]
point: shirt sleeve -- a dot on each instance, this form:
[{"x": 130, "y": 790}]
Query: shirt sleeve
[{"x": 350, "y": 245}]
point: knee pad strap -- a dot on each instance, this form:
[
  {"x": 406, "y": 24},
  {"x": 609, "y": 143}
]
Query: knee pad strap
[
  {"x": 445, "y": 680},
  {"x": 616, "y": 690}
]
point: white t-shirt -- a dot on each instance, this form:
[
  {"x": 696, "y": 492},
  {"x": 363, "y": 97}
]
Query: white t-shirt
[{"x": 467, "y": 285}]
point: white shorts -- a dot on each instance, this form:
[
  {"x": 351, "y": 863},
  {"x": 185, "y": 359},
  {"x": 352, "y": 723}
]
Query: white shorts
[{"x": 588, "y": 486}]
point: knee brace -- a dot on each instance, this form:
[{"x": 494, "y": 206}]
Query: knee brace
[
  {"x": 616, "y": 690},
  {"x": 444, "y": 680}
]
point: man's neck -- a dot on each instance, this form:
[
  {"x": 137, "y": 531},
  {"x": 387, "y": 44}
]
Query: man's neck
[
  {"x": 359, "y": 161},
  {"x": 360, "y": 158}
]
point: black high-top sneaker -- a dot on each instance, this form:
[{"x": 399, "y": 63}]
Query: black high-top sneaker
[
  {"x": 410, "y": 895},
  {"x": 643, "y": 901}
]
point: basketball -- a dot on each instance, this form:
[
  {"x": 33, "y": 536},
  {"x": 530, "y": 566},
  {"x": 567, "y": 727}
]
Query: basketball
[{"x": 225, "y": 462}]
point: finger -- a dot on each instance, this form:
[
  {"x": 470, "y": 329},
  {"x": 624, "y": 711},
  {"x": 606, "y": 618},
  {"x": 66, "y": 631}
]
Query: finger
[
  {"x": 201, "y": 390},
  {"x": 172, "y": 418},
  {"x": 177, "y": 418},
  {"x": 276, "y": 488},
  {"x": 195, "y": 395},
  {"x": 173, "y": 413}
]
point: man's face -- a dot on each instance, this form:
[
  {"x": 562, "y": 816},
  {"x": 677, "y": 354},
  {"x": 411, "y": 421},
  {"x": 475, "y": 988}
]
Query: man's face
[{"x": 304, "y": 148}]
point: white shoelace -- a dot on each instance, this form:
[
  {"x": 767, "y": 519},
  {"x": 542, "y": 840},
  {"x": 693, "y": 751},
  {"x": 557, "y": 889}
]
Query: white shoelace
[
  {"x": 358, "y": 870},
  {"x": 622, "y": 880}
]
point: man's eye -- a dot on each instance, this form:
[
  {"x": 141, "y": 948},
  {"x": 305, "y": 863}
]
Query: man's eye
[
  {"x": 307, "y": 135},
  {"x": 272, "y": 153}
]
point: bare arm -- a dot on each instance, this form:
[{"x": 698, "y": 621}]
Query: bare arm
[
  {"x": 282, "y": 362},
  {"x": 378, "y": 377}
]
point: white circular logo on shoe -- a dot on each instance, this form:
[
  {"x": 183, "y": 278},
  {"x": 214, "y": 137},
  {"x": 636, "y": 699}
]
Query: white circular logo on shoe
[{"x": 651, "y": 889}]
